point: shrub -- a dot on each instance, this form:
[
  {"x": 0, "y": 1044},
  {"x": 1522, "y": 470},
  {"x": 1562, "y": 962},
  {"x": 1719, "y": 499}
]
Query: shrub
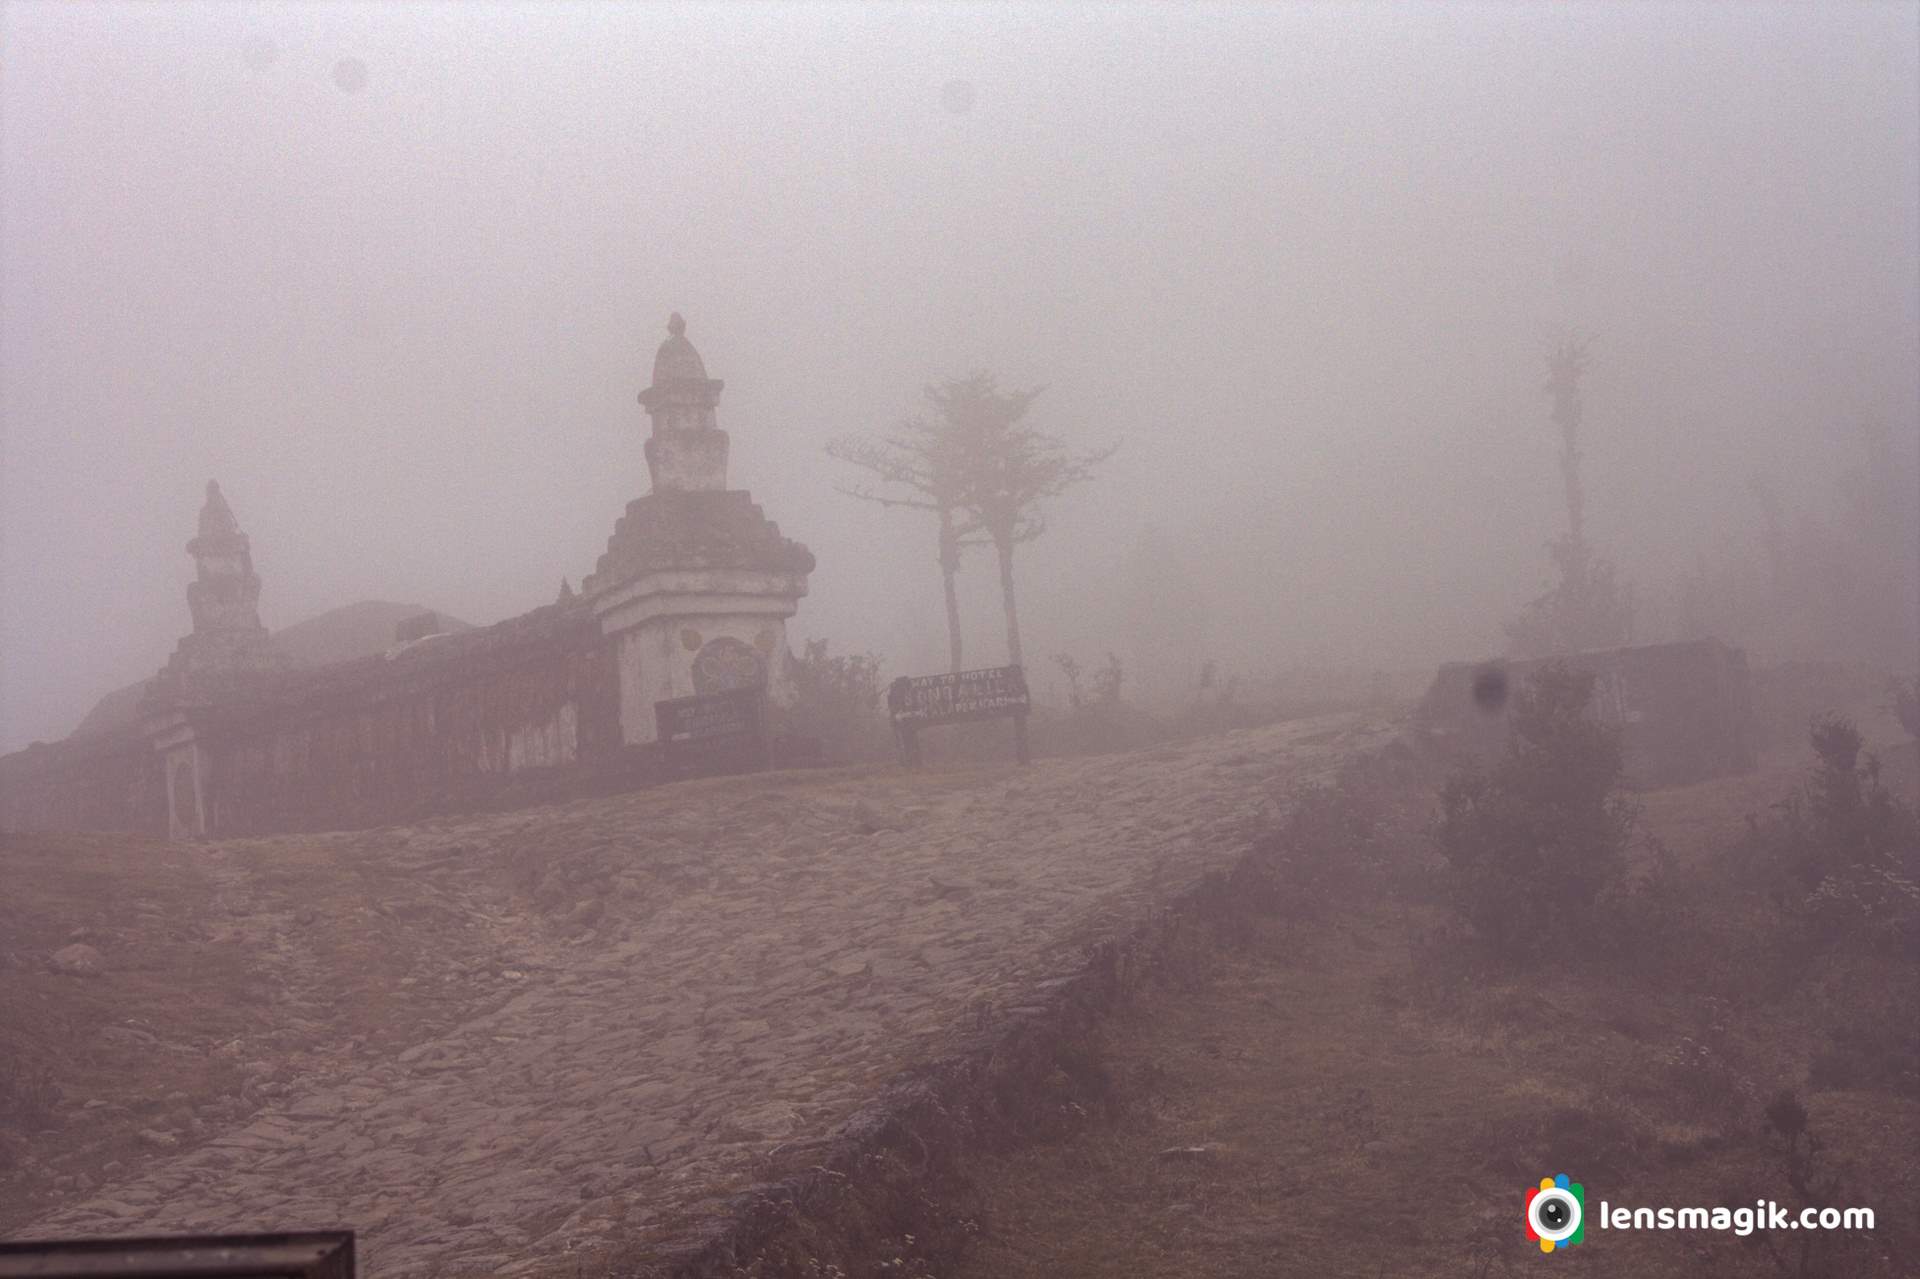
[
  {"x": 1701, "y": 1075},
  {"x": 837, "y": 702},
  {"x": 1101, "y": 691},
  {"x": 1660, "y": 922},
  {"x": 1816, "y": 1180},
  {"x": 1839, "y": 857},
  {"x": 1880, "y": 1055},
  {"x": 1337, "y": 841},
  {"x": 1097, "y": 717},
  {"x": 1324, "y": 849},
  {"x": 1533, "y": 843}
]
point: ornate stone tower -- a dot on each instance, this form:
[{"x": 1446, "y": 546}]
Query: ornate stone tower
[
  {"x": 225, "y": 593},
  {"x": 227, "y": 657},
  {"x": 696, "y": 584},
  {"x": 228, "y": 649}
]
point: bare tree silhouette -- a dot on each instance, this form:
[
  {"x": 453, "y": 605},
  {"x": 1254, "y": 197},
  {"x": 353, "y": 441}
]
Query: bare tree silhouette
[{"x": 1005, "y": 469}]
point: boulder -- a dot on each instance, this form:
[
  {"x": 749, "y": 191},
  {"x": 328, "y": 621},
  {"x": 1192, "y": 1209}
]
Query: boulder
[{"x": 78, "y": 960}]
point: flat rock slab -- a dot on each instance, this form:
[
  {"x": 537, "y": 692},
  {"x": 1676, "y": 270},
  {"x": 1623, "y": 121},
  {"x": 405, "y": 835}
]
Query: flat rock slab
[{"x": 765, "y": 952}]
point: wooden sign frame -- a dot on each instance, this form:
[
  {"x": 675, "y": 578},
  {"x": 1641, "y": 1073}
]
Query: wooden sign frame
[
  {"x": 915, "y": 702},
  {"x": 713, "y": 734},
  {"x": 322, "y": 1254}
]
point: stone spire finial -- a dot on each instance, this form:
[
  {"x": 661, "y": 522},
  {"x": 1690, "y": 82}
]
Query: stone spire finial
[
  {"x": 218, "y": 537},
  {"x": 687, "y": 451},
  {"x": 676, "y": 361},
  {"x": 225, "y": 588},
  {"x": 216, "y": 517}
]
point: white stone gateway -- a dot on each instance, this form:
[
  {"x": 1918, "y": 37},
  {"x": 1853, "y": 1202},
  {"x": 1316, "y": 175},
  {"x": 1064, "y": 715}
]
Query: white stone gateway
[{"x": 696, "y": 585}]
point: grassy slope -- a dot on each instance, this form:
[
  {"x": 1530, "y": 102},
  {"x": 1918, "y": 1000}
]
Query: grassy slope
[{"x": 1361, "y": 1116}]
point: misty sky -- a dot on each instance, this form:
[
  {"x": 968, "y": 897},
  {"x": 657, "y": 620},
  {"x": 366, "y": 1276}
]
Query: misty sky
[{"x": 1305, "y": 262}]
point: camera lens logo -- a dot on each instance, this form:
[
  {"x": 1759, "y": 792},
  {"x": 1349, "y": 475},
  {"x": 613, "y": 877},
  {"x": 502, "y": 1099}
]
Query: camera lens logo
[{"x": 1557, "y": 1213}]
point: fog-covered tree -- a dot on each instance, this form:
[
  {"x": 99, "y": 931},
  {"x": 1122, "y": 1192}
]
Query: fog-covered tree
[
  {"x": 1588, "y": 606},
  {"x": 1004, "y": 471},
  {"x": 1532, "y": 843}
]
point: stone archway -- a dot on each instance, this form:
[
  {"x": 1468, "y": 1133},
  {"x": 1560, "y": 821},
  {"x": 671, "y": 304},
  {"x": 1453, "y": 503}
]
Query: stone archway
[{"x": 183, "y": 799}]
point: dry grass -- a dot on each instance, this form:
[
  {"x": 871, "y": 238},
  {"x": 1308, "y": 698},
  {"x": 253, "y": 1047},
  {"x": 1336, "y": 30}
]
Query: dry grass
[{"x": 1364, "y": 1106}]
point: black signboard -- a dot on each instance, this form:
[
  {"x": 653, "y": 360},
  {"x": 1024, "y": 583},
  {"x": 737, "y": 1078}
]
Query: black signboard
[
  {"x": 993, "y": 692},
  {"x": 713, "y": 733},
  {"x": 326, "y": 1254}
]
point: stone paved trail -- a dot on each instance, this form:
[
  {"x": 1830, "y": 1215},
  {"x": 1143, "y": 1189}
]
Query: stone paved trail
[{"x": 646, "y": 995}]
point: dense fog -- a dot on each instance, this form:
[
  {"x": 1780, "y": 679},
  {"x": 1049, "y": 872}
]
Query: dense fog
[{"x": 394, "y": 274}]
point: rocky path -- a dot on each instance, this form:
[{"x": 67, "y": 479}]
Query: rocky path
[{"x": 640, "y": 1001}]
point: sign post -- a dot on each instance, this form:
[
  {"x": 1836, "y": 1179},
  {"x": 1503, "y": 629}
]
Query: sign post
[
  {"x": 994, "y": 692},
  {"x": 713, "y": 733}
]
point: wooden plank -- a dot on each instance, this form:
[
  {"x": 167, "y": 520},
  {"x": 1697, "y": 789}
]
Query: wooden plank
[{"x": 326, "y": 1254}]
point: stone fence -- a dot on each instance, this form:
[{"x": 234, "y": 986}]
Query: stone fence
[{"x": 450, "y": 722}]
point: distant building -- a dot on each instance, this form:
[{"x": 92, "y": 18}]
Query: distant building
[{"x": 691, "y": 596}]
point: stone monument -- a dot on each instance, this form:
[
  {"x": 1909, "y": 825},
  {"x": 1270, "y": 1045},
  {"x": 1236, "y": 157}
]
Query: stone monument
[
  {"x": 228, "y": 655},
  {"x": 696, "y": 584},
  {"x": 228, "y": 648}
]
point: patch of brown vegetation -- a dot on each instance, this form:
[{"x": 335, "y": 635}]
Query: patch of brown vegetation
[{"x": 1349, "y": 1097}]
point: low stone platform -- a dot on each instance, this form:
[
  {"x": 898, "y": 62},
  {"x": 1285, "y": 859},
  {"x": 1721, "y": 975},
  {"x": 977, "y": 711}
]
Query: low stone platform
[{"x": 504, "y": 1043}]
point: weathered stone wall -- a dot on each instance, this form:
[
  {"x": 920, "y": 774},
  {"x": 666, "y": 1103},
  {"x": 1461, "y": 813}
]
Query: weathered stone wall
[
  {"x": 101, "y": 782},
  {"x": 446, "y": 724},
  {"x": 427, "y": 731},
  {"x": 1685, "y": 710}
]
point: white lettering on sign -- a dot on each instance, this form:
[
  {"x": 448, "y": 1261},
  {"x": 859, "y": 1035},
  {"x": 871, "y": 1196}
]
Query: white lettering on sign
[{"x": 964, "y": 695}]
